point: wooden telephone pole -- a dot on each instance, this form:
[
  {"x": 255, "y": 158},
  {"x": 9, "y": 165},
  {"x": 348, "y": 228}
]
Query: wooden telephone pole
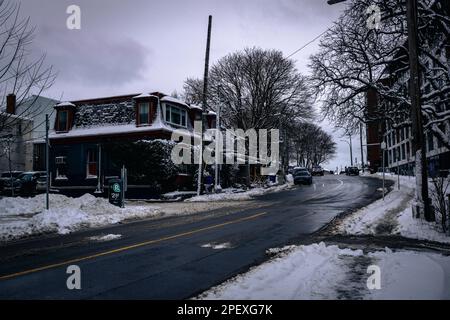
[
  {"x": 418, "y": 142},
  {"x": 205, "y": 95}
]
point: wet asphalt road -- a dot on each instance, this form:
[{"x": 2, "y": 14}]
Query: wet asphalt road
[{"x": 171, "y": 258}]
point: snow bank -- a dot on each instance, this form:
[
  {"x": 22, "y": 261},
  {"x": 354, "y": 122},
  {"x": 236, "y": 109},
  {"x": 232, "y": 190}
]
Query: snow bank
[
  {"x": 393, "y": 216},
  {"x": 410, "y": 275},
  {"x": 21, "y": 217},
  {"x": 306, "y": 272},
  {"x": 318, "y": 271}
]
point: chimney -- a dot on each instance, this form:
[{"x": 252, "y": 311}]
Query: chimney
[{"x": 11, "y": 103}]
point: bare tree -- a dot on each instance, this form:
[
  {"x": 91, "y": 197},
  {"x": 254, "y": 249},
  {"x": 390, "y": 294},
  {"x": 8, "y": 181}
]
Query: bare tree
[
  {"x": 256, "y": 88},
  {"x": 311, "y": 145},
  {"x": 20, "y": 73},
  {"x": 354, "y": 59}
]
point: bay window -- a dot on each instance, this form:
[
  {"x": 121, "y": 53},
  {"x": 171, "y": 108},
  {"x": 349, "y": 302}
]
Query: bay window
[{"x": 175, "y": 115}]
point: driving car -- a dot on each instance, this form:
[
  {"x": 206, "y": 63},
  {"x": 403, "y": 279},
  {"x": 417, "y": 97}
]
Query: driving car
[
  {"x": 352, "y": 171},
  {"x": 317, "y": 171},
  {"x": 302, "y": 177}
]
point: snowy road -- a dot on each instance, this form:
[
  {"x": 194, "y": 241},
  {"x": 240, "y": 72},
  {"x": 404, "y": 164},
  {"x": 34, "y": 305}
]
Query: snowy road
[{"x": 176, "y": 257}]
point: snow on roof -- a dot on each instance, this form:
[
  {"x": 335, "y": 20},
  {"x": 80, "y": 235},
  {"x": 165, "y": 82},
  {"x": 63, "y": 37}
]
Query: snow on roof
[
  {"x": 211, "y": 113},
  {"x": 8, "y": 115},
  {"x": 65, "y": 104},
  {"x": 110, "y": 129},
  {"x": 144, "y": 95},
  {"x": 174, "y": 100},
  {"x": 193, "y": 106}
]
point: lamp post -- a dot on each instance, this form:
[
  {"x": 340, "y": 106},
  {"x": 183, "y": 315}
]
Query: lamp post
[{"x": 351, "y": 149}]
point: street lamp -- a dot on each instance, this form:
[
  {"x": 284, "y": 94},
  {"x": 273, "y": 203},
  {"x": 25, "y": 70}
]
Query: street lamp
[{"x": 351, "y": 150}]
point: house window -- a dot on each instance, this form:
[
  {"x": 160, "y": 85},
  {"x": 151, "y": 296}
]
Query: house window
[
  {"x": 403, "y": 152},
  {"x": 144, "y": 113},
  {"x": 61, "y": 167},
  {"x": 175, "y": 115},
  {"x": 63, "y": 122},
  {"x": 91, "y": 163}
]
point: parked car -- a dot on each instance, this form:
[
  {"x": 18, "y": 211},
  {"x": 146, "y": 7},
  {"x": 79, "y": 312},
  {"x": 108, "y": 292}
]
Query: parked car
[
  {"x": 8, "y": 176},
  {"x": 302, "y": 177},
  {"x": 317, "y": 171},
  {"x": 298, "y": 169},
  {"x": 24, "y": 184},
  {"x": 352, "y": 171},
  {"x": 41, "y": 183}
]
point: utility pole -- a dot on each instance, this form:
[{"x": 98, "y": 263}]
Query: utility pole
[
  {"x": 205, "y": 95},
  {"x": 217, "y": 186},
  {"x": 361, "y": 143},
  {"x": 418, "y": 145},
  {"x": 47, "y": 184}
]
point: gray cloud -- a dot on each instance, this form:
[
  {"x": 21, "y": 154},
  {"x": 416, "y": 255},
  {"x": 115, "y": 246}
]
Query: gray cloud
[{"x": 94, "y": 60}]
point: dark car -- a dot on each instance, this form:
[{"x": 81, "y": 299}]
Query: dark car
[
  {"x": 302, "y": 177},
  {"x": 317, "y": 171},
  {"x": 352, "y": 171},
  {"x": 8, "y": 176},
  {"x": 24, "y": 184}
]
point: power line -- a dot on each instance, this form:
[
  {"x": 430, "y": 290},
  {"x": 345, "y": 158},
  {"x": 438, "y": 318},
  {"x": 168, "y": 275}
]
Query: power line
[{"x": 306, "y": 44}]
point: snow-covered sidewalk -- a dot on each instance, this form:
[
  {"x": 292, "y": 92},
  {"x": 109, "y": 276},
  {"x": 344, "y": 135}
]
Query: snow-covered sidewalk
[
  {"x": 393, "y": 216},
  {"x": 318, "y": 271}
]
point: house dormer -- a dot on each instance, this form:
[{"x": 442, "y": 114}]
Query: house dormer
[
  {"x": 146, "y": 105},
  {"x": 175, "y": 112},
  {"x": 64, "y": 116}
]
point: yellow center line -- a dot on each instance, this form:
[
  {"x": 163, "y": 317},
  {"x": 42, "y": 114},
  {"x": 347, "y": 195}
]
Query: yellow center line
[{"x": 137, "y": 245}]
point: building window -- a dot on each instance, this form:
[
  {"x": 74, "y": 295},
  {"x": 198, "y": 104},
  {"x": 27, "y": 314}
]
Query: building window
[
  {"x": 175, "y": 115},
  {"x": 91, "y": 163},
  {"x": 144, "y": 113},
  {"x": 63, "y": 121},
  {"x": 61, "y": 167},
  {"x": 403, "y": 152},
  {"x": 407, "y": 150}
]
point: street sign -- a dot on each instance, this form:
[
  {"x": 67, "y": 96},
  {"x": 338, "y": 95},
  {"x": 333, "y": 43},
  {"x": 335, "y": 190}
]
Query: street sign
[{"x": 115, "y": 192}]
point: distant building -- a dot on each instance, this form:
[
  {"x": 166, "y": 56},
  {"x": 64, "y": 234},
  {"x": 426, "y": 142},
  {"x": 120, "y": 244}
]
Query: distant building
[
  {"x": 398, "y": 138},
  {"x": 15, "y": 133},
  {"x": 36, "y": 107}
]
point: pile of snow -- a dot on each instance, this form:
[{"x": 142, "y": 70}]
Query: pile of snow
[
  {"x": 232, "y": 194},
  {"x": 108, "y": 237},
  {"x": 318, "y": 271},
  {"x": 217, "y": 246},
  {"x": 393, "y": 216},
  {"x": 20, "y": 217}
]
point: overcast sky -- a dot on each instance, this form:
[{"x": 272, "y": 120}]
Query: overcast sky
[{"x": 139, "y": 46}]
